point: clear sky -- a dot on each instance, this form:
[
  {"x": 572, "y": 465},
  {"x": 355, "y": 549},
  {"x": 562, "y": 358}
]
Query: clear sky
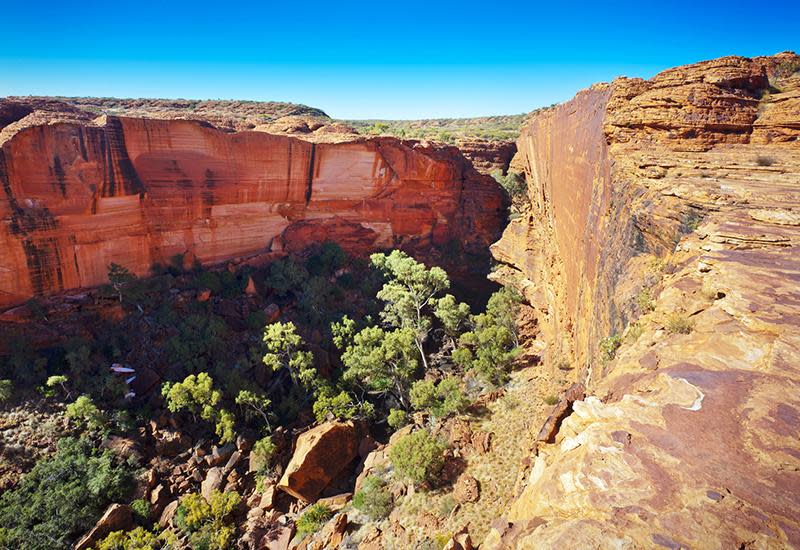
[{"x": 372, "y": 59}]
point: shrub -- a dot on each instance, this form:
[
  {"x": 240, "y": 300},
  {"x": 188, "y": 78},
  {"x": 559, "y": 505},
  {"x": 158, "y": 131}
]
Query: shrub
[
  {"x": 439, "y": 399},
  {"x": 397, "y": 418},
  {"x": 141, "y": 510},
  {"x": 763, "y": 160},
  {"x": 373, "y": 498},
  {"x": 551, "y": 399},
  {"x": 262, "y": 454},
  {"x": 339, "y": 406},
  {"x": 85, "y": 412},
  {"x": 645, "y": 300},
  {"x": 418, "y": 456},
  {"x": 609, "y": 347},
  {"x": 6, "y": 390},
  {"x": 139, "y": 539},
  {"x": 63, "y": 496},
  {"x": 679, "y": 324},
  {"x": 205, "y": 521},
  {"x": 313, "y": 519}
]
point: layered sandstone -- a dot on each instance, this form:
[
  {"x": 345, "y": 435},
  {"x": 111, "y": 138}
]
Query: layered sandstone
[
  {"x": 666, "y": 212},
  {"x": 80, "y": 194}
]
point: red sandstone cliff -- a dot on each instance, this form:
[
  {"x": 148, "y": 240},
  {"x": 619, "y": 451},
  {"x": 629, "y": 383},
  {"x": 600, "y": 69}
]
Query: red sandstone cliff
[
  {"x": 79, "y": 194},
  {"x": 666, "y": 212}
]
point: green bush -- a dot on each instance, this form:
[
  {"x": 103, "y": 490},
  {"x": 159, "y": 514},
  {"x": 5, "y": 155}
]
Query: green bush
[
  {"x": 207, "y": 521},
  {"x": 418, "y": 456},
  {"x": 645, "y": 300},
  {"x": 261, "y": 456},
  {"x": 439, "y": 399},
  {"x": 141, "y": 510},
  {"x": 397, "y": 418},
  {"x": 609, "y": 346},
  {"x": 139, "y": 539},
  {"x": 63, "y": 496},
  {"x": 373, "y": 498},
  {"x": 6, "y": 390},
  {"x": 313, "y": 519},
  {"x": 85, "y": 413}
]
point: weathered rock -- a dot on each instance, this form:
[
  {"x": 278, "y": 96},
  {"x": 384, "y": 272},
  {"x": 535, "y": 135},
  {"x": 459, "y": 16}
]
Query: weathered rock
[
  {"x": 168, "y": 513},
  {"x": 213, "y": 482},
  {"x": 460, "y": 541},
  {"x": 700, "y": 401},
  {"x": 336, "y": 502},
  {"x": 320, "y": 455},
  {"x": 560, "y": 411},
  {"x": 466, "y": 489},
  {"x": 80, "y": 195},
  {"x": 117, "y": 517}
]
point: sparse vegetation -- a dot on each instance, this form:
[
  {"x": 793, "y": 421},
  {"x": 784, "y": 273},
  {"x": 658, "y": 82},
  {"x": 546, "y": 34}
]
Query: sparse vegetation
[
  {"x": 609, "y": 346},
  {"x": 373, "y": 499},
  {"x": 644, "y": 299},
  {"x": 677, "y": 323},
  {"x": 312, "y": 520},
  {"x": 447, "y": 130},
  {"x": 764, "y": 160},
  {"x": 551, "y": 399}
]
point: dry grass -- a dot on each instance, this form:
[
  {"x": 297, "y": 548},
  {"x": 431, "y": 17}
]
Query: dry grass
[{"x": 515, "y": 420}]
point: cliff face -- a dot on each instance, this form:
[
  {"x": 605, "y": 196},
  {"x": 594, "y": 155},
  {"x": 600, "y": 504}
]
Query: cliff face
[
  {"x": 79, "y": 195},
  {"x": 666, "y": 212}
]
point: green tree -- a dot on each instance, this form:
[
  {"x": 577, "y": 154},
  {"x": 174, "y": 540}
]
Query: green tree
[
  {"x": 284, "y": 350},
  {"x": 262, "y": 453},
  {"x": 257, "y": 402},
  {"x": 58, "y": 380},
  {"x": 397, "y": 418},
  {"x": 409, "y": 294},
  {"x": 453, "y": 316},
  {"x": 197, "y": 395},
  {"x": 207, "y": 521},
  {"x": 382, "y": 362},
  {"x": 418, "y": 456},
  {"x": 491, "y": 347},
  {"x": 121, "y": 279},
  {"x": 86, "y": 413},
  {"x": 439, "y": 399}
]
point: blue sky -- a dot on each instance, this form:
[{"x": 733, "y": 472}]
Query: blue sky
[{"x": 377, "y": 59}]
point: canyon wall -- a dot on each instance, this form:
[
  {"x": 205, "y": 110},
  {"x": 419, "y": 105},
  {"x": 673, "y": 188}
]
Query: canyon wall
[
  {"x": 80, "y": 194},
  {"x": 660, "y": 253}
]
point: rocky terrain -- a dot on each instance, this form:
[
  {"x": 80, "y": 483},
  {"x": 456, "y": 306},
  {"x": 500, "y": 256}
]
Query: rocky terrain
[
  {"x": 659, "y": 253},
  {"x": 654, "y": 399}
]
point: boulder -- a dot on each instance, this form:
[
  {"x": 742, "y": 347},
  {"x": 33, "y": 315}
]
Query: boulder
[
  {"x": 320, "y": 455},
  {"x": 117, "y": 517},
  {"x": 168, "y": 513},
  {"x": 213, "y": 481}
]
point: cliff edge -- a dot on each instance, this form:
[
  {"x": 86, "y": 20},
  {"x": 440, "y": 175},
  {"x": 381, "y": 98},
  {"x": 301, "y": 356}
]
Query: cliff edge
[{"x": 660, "y": 253}]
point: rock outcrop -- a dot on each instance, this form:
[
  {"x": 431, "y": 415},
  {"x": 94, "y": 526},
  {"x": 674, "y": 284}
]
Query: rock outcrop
[
  {"x": 663, "y": 224},
  {"x": 79, "y": 194}
]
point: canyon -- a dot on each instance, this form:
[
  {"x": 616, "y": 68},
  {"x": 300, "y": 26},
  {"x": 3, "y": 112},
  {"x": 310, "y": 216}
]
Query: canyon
[{"x": 657, "y": 397}]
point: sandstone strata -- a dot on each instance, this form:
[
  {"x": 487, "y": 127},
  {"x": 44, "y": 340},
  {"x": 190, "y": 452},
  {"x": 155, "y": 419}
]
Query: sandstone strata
[
  {"x": 663, "y": 211},
  {"x": 79, "y": 194}
]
